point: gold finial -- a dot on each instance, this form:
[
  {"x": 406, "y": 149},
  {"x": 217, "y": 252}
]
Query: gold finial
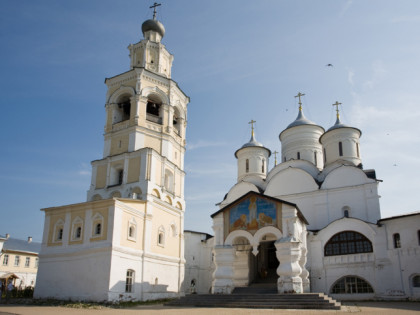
[
  {"x": 275, "y": 157},
  {"x": 337, "y": 110},
  {"x": 300, "y": 102},
  {"x": 252, "y": 122},
  {"x": 154, "y": 9}
]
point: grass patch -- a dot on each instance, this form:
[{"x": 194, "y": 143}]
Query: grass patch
[{"x": 84, "y": 305}]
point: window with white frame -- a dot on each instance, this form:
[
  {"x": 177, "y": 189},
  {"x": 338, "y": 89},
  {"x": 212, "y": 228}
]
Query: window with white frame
[
  {"x": 36, "y": 262},
  {"x": 27, "y": 262},
  {"x": 97, "y": 225},
  {"x": 169, "y": 181},
  {"x": 17, "y": 260},
  {"x": 129, "y": 281},
  {"x": 351, "y": 285},
  {"x": 76, "y": 229},
  {"x": 132, "y": 229},
  {"x": 5, "y": 259},
  {"x": 161, "y": 236},
  {"x": 58, "y": 230}
]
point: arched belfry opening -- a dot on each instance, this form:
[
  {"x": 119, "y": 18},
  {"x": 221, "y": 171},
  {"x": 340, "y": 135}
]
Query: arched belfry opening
[
  {"x": 176, "y": 121},
  {"x": 122, "y": 109},
  {"x": 153, "y": 109}
]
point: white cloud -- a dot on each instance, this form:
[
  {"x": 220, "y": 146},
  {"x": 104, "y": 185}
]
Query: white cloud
[
  {"x": 346, "y": 6},
  {"x": 204, "y": 144},
  {"x": 350, "y": 76}
]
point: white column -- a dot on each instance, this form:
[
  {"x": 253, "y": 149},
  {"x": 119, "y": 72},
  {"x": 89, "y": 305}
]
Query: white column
[
  {"x": 224, "y": 256},
  {"x": 288, "y": 254}
]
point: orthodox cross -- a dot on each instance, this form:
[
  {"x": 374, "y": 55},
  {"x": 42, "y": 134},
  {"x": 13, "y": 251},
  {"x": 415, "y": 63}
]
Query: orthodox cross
[
  {"x": 154, "y": 9},
  {"x": 336, "y": 109},
  {"x": 275, "y": 157},
  {"x": 252, "y": 122},
  {"x": 300, "y": 102}
]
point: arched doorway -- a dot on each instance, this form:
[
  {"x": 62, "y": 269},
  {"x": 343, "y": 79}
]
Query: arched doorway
[{"x": 266, "y": 262}]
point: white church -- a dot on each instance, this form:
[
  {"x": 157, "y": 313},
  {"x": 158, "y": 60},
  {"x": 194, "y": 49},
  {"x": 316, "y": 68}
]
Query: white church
[{"x": 310, "y": 224}]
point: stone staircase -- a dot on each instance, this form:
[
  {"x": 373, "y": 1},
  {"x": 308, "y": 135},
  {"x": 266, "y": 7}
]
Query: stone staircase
[{"x": 258, "y": 297}]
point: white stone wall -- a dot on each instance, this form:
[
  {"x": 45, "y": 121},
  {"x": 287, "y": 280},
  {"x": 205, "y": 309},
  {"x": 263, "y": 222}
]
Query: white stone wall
[{"x": 199, "y": 264}]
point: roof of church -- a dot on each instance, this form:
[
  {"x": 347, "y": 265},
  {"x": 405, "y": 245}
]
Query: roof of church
[
  {"x": 13, "y": 244},
  {"x": 253, "y": 143},
  {"x": 299, "y": 213},
  {"x": 301, "y": 120},
  {"x": 338, "y": 124},
  {"x": 400, "y": 216},
  {"x": 153, "y": 25}
]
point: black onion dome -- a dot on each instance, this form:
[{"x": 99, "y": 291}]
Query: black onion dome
[{"x": 153, "y": 25}]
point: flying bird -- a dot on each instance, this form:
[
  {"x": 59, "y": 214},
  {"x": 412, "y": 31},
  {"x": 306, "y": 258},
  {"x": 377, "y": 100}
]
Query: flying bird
[{"x": 329, "y": 65}]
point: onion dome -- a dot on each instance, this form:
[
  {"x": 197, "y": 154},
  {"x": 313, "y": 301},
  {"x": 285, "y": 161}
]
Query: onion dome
[
  {"x": 252, "y": 159},
  {"x": 153, "y": 25},
  {"x": 301, "y": 120},
  {"x": 300, "y": 140},
  {"x": 338, "y": 124},
  {"x": 252, "y": 143},
  {"x": 341, "y": 143}
]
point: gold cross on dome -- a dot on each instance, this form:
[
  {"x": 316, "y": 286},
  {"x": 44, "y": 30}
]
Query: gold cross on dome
[
  {"x": 154, "y": 9},
  {"x": 252, "y": 122},
  {"x": 275, "y": 157},
  {"x": 336, "y": 109},
  {"x": 300, "y": 101}
]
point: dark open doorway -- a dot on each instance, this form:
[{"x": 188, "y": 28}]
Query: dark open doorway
[{"x": 266, "y": 263}]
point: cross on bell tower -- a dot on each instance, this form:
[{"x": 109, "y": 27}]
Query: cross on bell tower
[
  {"x": 336, "y": 104},
  {"x": 300, "y": 101},
  {"x": 154, "y": 6}
]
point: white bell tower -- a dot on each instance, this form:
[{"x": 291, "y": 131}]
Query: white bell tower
[{"x": 144, "y": 139}]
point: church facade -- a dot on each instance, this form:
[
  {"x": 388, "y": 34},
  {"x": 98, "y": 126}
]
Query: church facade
[
  {"x": 310, "y": 224},
  {"x": 126, "y": 241}
]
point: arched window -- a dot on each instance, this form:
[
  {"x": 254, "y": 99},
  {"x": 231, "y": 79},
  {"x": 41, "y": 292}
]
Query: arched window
[
  {"x": 416, "y": 281},
  {"x": 315, "y": 158},
  {"x": 58, "y": 231},
  {"x": 120, "y": 177},
  {"x": 169, "y": 181},
  {"x": 351, "y": 285},
  {"x": 397, "y": 240},
  {"x": 153, "y": 111},
  {"x": 161, "y": 236},
  {"x": 132, "y": 229},
  {"x": 357, "y": 149},
  {"x": 97, "y": 224},
  {"x": 418, "y": 236},
  {"x": 298, "y": 155},
  {"x": 346, "y": 212},
  {"x": 340, "y": 148},
  {"x": 129, "y": 281},
  {"x": 60, "y": 234},
  {"x": 346, "y": 243},
  {"x": 263, "y": 166},
  {"x": 122, "y": 110},
  {"x": 98, "y": 229},
  {"x": 247, "y": 166},
  {"x": 76, "y": 229},
  {"x": 176, "y": 122}
]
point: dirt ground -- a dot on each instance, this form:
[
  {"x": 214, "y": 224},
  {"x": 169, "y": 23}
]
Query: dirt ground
[{"x": 382, "y": 308}]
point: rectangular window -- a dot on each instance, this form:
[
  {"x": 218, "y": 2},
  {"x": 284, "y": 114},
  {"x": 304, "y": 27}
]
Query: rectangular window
[
  {"x": 27, "y": 262},
  {"x": 5, "y": 260},
  {"x": 340, "y": 148},
  {"x": 129, "y": 281},
  {"x": 17, "y": 260},
  {"x": 36, "y": 262},
  {"x": 397, "y": 240},
  {"x": 357, "y": 149},
  {"x": 298, "y": 155},
  {"x": 315, "y": 158}
]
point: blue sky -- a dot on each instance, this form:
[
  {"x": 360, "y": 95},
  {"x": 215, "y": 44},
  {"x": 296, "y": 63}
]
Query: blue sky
[{"x": 237, "y": 60}]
